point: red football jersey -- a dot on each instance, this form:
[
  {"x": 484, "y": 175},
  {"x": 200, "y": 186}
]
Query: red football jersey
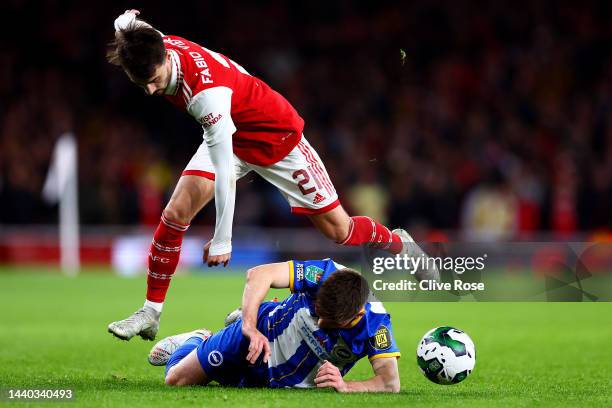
[{"x": 267, "y": 126}]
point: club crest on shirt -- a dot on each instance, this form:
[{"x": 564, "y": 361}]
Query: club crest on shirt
[
  {"x": 215, "y": 358},
  {"x": 382, "y": 339},
  {"x": 341, "y": 354},
  {"x": 313, "y": 273}
]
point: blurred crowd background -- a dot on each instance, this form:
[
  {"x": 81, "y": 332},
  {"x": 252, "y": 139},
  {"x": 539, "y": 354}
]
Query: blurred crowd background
[{"x": 492, "y": 118}]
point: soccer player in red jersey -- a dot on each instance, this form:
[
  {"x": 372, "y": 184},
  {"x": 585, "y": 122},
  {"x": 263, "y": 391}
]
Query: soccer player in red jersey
[{"x": 247, "y": 127}]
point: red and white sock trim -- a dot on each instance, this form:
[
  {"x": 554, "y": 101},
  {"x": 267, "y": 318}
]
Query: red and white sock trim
[
  {"x": 373, "y": 236},
  {"x": 379, "y": 243},
  {"x": 348, "y": 237},
  {"x": 366, "y": 231},
  {"x": 161, "y": 276},
  {"x": 174, "y": 225},
  {"x": 165, "y": 248}
]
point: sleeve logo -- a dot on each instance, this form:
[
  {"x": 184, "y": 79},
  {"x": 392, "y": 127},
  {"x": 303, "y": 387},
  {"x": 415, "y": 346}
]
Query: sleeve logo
[
  {"x": 210, "y": 119},
  {"x": 299, "y": 271},
  {"x": 313, "y": 274},
  {"x": 382, "y": 339}
]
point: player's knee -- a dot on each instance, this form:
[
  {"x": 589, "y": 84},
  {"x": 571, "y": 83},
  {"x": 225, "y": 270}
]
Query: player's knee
[
  {"x": 177, "y": 212},
  {"x": 251, "y": 273}
]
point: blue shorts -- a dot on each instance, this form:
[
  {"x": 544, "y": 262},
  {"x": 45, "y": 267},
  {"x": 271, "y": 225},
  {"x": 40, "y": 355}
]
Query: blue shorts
[{"x": 223, "y": 358}]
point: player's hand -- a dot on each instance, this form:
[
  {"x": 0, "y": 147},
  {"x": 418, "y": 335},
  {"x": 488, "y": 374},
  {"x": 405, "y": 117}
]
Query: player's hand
[
  {"x": 214, "y": 260},
  {"x": 328, "y": 376},
  {"x": 259, "y": 343},
  {"x": 124, "y": 20}
]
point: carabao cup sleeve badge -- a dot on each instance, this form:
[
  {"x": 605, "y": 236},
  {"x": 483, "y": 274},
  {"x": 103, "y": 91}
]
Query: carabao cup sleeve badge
[
  {"x": 382, "y": 339},
  {"x": 313, "y": 274}
]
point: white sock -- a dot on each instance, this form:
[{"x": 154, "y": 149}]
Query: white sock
[{"x": 154, "y": 305}]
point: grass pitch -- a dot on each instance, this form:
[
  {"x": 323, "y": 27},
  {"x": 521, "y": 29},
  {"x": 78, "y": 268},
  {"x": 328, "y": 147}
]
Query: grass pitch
[{"x": 53, "y": 335}]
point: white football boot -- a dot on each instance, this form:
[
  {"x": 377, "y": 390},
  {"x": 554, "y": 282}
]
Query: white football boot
[
  {"x": 411, "y": 249},
  {"x": 233, "y": 316},
  {"x": 144, "y": 322},
  {"x": 163, "y": 349}
]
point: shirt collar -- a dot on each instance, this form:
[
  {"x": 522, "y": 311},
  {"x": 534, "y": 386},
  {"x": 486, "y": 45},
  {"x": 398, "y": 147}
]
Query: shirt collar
[
  {"x": 175, "y": 75},
  {"x": 356, "y": 320}
]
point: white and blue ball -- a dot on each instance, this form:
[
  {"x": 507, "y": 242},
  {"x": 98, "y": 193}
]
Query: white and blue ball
[{"x": 446, "y": 355}]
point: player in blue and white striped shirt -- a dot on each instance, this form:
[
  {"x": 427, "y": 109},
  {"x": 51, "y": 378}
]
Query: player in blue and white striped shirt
[{"x": 310, "y": 339}]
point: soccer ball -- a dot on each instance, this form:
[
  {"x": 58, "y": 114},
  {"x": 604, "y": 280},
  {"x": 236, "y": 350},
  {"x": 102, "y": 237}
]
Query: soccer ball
[{"x": 446, "y": 355}]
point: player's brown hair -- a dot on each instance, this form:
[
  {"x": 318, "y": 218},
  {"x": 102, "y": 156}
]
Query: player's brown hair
[
  {"x": 137, "y": 49},
  {"x": 341, "y": 296}
]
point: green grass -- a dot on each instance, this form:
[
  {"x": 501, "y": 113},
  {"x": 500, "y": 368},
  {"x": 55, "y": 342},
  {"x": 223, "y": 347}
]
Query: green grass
[{"x": 53, "y": 335}]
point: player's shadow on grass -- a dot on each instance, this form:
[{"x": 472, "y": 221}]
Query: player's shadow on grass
[
  {"x": 450, "y": 391},
  {"x": 117, "y": 382}
]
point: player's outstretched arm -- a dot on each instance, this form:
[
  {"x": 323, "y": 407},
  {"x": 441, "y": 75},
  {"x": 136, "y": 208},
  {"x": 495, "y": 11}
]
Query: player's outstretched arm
[
  {"x": 219, "y": 250},
  {"x": 259, "y": 280},
  {"x": 386, "y": 378},
  {"x": 216, "y": 103}
]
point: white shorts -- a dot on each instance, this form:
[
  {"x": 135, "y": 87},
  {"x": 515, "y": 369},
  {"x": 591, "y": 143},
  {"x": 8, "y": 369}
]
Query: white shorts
[{"x": 300, "y": 176}]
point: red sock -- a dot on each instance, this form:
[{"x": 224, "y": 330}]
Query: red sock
[
  {"x": 365, "y": 230},
  {"x": 163, "y": 258}
]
